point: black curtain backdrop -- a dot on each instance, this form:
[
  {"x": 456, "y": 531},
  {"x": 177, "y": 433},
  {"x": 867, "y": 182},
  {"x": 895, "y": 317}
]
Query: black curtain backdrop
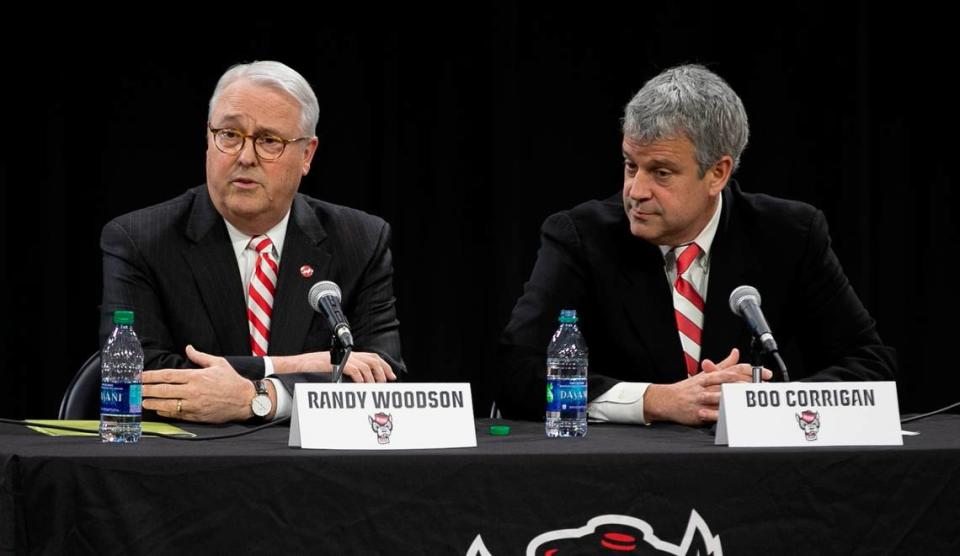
[{"x": 465, "y": 130}]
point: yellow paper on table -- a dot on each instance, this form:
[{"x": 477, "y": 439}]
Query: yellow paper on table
[{"x": 148, "y": 427}]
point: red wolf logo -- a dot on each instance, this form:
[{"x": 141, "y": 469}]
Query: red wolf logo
[
  {"x": 382, "y": 424},
  {"x": 809, "y": 422}
]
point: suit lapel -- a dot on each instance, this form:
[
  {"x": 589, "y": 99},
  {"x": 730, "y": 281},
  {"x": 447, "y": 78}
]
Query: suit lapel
[
  {"x": 649, "y": 306},
  {"x": 302, "y": 246},
  {"x": 214, "y": 266},
  {"x": 730, "y": 267}
]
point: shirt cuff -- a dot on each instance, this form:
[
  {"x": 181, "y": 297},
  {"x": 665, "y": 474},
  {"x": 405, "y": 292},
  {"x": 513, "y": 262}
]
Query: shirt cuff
[
  {"x": 621, "y": 404},
  {"x": 284, "y": 399}
]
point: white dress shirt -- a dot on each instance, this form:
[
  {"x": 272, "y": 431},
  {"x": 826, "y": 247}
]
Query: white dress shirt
[
  {"x": 623, "y": 403},
  {"x": 246, "y": 263}
]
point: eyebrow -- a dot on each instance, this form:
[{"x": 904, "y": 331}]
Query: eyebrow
[
  {"x": 234, "y": 120},
  {"x": 654, "y": 163},
  {"x": 663, "y": 162}
]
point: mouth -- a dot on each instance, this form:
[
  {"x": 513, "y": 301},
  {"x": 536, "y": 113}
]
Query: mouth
[
  {"x": 244, "y": 183},
  {"x": 641, "y": 215}
]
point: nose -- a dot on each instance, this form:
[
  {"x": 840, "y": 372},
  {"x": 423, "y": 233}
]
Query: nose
[
  {"x": 248, "y": 154},
  {"x": 638, "y": 186}
]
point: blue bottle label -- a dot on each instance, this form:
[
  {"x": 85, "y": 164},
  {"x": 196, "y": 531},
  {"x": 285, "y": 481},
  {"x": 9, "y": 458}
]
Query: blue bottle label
[
  {"x": 120, "y": 399},
  {"x": 566, "y": 394}
]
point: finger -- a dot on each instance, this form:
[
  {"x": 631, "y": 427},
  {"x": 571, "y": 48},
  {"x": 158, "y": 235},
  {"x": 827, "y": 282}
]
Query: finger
[
  {"x": 709, "y": 398},
  {"x": 766, "y": 374},
  {"x": 730, "y": 359},
  {"x": 708, "y": 415},
  {"x": 720, "y": 377},
  {"x": 708, "y": 366},
  {"x": 167, "y": 376},
  {"x": 354, "y": 373},
  {"x": 165, "y": 406},
  {"x": 366, "y": 372},
  {"x": 163, "y": 390},
  {"x": 201, "y": 358},
  {"x": 743, "y": 369},
  {"x": 388, "y": 373},
  {"x": 381, "y": 369}
]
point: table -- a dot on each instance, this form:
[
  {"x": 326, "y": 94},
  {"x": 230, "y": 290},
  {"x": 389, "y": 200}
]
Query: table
[{"x": 253, "y": 494}]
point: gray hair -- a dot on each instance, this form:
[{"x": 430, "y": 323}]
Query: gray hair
[
  {"x": 278, "y": 76},
  {"x": 690, "y": 101}
]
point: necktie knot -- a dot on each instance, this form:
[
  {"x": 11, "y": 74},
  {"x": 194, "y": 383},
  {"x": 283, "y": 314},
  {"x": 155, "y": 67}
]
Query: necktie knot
[
  {"x": 686, "y": 254},
  {"x": 261, "y": 244}
]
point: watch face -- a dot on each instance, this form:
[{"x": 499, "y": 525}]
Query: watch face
[{"x": 261, "y": 405}]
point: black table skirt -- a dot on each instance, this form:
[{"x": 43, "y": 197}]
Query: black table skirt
[{"x": 254, "y": 494}]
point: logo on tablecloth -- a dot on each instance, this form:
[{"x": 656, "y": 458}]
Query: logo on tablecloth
[
  {"x": 617, "y": 534},
  {"x": 809, "y": 422},
  {"x": 382, "y": 424}
]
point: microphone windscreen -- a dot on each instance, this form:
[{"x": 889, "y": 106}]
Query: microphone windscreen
[
  {"x": 738, "y": 295},
  {"x": 322, "y": 289}
]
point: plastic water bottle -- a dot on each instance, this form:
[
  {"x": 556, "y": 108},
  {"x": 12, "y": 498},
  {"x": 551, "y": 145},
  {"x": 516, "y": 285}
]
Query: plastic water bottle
[
  {"x": 121, "y": 368},
  {"x": 567, "y": 379}
]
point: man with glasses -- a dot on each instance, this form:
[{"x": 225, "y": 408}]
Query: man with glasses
[{"x": 218, "y": 276}]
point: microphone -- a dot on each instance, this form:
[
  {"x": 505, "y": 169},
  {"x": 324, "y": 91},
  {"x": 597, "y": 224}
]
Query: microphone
[
  {"x": 745, "y": 303},
  {"x": 324, "y": 298}
]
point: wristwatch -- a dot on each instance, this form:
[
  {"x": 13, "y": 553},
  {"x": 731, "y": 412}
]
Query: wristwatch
[{"x": 261, "y": 404}]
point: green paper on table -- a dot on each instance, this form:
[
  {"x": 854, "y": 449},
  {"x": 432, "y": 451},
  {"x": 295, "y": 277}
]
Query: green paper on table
[{"x": 94, "y": 428}]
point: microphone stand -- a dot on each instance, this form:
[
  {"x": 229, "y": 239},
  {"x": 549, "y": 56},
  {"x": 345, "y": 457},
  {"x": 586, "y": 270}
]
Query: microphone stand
[
  {"x": 756, "y": 358},
  {"x": 338, "y": 357}
]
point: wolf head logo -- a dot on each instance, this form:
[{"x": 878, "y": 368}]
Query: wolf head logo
[
  {"x": 809, "y": 422},
  {"x": 617, "y": 534},
  {"x": 382, "y": 424}
]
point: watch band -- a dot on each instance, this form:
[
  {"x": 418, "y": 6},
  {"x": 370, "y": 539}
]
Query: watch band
[{"x": 261, "y": 387}]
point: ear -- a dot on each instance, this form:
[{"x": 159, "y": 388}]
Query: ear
[
  {"x": 718, "y": 175},
  {"x": 308, "y": 153}
]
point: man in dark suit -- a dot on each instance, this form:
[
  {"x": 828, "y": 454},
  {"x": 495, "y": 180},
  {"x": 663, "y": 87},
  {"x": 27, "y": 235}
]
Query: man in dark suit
[
  {"x": 218, "y": 276},
  {"x": 650, "y": 271}
]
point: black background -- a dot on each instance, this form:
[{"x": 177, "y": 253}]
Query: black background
[{"x": 464, "y": 129}]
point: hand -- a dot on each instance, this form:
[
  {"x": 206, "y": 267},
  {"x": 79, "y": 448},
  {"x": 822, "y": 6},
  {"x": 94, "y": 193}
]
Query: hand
[
  {"x": 214, "y": 393},
  {"x": 361, "y": 366},
  {"x": 730, "y": 363},
  {"x": 696, "y": 399}
]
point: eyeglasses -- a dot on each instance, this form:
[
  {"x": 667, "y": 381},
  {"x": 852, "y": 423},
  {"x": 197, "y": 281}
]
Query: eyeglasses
[{"x": 266, "y": 146}]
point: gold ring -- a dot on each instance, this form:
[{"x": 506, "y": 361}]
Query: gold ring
[{"x": 179, "y": 406}]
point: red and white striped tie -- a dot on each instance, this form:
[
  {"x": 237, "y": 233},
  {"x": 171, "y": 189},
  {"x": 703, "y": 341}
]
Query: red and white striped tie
[
  {"x": 260, "y": 294},
  {"x": 688, "y": 307}
]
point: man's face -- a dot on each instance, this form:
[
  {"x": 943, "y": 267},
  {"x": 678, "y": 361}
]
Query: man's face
[
  {"x": 666, "y": 201},
  {"x": 254, "y": 194}
]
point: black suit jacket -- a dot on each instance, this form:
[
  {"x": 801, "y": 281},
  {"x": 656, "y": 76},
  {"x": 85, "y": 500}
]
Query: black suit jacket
[
  {"x": 173, "y": 265},
  {"x": 589, "y": 261}
]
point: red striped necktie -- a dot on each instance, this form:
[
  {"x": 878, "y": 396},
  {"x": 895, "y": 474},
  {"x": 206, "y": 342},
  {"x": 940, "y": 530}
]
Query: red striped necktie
[
  {"x": 263, "y": 283},
  {"x": 688, "y": 307}
]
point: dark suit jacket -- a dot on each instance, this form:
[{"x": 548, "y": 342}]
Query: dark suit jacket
[
  {"x": 589, "y": 261},
  {"x": 173, "y": 265}
]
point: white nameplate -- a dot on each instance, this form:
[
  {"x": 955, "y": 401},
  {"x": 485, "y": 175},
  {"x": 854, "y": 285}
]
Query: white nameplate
[
  {"x": 389, "y": 416},
  {"x": 809, "y": 414}
]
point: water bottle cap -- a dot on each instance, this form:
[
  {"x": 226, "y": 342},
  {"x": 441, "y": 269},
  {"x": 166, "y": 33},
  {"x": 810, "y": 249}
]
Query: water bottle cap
[
  {"x": 123, "y": 317},
  {"x": 568, "y": 316}
]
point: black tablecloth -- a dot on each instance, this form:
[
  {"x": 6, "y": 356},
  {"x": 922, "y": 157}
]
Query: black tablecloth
[{"x": 670, "y": 486}]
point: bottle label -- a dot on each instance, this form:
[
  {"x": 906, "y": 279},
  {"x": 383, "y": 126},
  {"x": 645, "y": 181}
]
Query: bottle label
[
  {"x": 566, "y": 394},
  {"x": 120, "y": 399}
]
